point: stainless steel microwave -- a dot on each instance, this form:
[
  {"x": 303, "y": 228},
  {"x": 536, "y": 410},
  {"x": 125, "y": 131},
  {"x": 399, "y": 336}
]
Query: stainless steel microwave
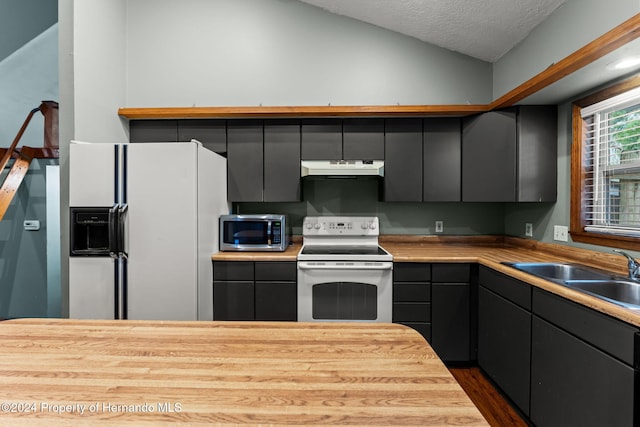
[{"x": 253, "y": 232}]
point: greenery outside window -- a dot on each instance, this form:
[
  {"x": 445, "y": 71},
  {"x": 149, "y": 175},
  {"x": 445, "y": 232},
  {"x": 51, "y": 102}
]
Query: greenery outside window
[{"x": 605, "y": 178}]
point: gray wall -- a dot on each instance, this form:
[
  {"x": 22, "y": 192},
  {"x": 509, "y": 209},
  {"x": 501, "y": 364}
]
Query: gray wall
[
  {"x": 22, "y": 20},
  {"x": 23, "y": 254}
]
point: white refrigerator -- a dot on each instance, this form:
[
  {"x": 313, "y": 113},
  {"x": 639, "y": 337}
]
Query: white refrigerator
[{"x": 143, "y": 225}]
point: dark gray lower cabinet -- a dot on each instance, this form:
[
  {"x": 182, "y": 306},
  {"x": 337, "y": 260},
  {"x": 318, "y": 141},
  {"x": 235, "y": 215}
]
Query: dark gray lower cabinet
[
  {"x": 244, "y": 290},
  {"x": 582, "y": 366},
  {"x": 451, "y": 307},
  {"x": 504, "y": 334},
  {"x": 575, "y": 384},
  {"x": 412, "y": 296},
  {"x": 435, "y": 300}
]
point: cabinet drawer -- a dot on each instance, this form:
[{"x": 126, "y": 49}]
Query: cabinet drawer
[
  {"x": 512, "y": 289},
  {"x": 604, "y": 332},
  {"x": 411, "y": 272},
  {"x": 279, "y": 271},
  {"x": 232, "y": 270},
  {"x": 412, "y": 292},
  {"x": 451, "y": 273},
  {"x": 411, "y": 312}
]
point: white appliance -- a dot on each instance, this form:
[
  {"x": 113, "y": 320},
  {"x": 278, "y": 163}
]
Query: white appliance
[
  {"x": 343, "y": 274},
  {"x": 149, "y": 256}
]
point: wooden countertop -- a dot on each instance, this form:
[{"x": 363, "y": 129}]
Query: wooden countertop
[
  {"x": 70, "y": 372},
  {"x": 490, "y": 251}
]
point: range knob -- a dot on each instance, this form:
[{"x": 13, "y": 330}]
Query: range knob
[
  {"x": 317, "y": 226},
  {"x": 365, "y": 226},
  {"x": 308, "y": 226},
  {"x": 372, "y": 226}
]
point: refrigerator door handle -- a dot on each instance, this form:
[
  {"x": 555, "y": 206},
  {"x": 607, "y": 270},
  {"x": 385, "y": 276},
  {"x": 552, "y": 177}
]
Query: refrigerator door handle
[
  {"x": 122, "y": 212},
  {"x": 113, "y": 232}
]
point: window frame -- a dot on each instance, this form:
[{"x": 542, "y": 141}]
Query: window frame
[{"x": 577, "y": 221}]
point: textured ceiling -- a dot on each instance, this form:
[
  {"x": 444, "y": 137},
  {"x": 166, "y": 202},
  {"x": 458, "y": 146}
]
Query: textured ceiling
[{"x": 483, "y": 29}]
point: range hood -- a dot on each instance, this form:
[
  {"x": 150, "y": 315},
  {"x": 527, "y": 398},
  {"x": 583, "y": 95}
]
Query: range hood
[{"x": 342, "y": 168}]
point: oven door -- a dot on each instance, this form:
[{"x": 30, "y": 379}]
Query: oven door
[{"x": 344, "y": 291}]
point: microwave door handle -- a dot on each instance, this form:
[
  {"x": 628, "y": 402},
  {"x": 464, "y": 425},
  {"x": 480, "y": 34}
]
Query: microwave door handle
[
  {"x": 269, "y": 231},
  {"x": 113, "y": 232}
]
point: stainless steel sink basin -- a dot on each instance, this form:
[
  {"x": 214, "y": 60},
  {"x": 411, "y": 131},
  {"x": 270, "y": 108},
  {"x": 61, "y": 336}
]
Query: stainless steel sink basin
[
  {"x": 622, "y": 292},
  {"x": 560, "y": 272},
  {"x": 592, "y": 281}
]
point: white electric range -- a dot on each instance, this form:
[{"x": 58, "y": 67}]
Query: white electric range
[{"x": 343, "y": 273}]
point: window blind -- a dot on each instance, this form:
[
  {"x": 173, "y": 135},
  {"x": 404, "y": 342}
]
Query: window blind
[{"x": 611, "y": 160}]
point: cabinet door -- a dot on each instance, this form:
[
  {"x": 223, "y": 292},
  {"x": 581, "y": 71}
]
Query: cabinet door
[
  {"x": 363, "y": 139},
  {"x": 504, "y": 345},
  {"x": 153, "y": 131},
  {"x": 321, "y": 139},
  {"x": 574, "y": 384},
  {"x": 233, "y": 300},
  {"x": 282, "y": 161},
  {"x": 489, "y": 157},
  {"x": 403, "y": 160},
  {"x": 211, "y": 133},
  {"x": 450, "y": 321},
  {"x": 245, "y": 161},
  {"x": 537, "y": 153},
  {"x": 276, "y": 301},
  {"x": 442, "y": 160}
]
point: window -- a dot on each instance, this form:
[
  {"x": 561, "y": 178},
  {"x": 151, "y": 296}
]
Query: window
[{"x": 605, "y": 205}]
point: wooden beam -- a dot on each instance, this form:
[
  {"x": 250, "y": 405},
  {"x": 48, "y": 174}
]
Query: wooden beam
[
  {"x": 14, "y": 179},
  {"x": 603, "y": 45},
  {"x": 49, "y": 110},
  {"x": 301, "y": 111},
  {"x": 38, "y": 152}
]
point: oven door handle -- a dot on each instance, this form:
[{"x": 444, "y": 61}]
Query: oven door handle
[{"x": 380, "y": 266}]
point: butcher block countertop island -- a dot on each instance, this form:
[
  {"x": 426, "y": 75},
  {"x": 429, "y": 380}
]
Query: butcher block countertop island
[{"x": 58, "y": 372}]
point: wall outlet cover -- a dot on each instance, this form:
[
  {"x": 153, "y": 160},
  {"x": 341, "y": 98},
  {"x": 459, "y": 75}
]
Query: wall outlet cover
[
  {"x": 561, "y": 233},
  {"x": 528, "y": 229},
  {"x": 439, "y": 226}
]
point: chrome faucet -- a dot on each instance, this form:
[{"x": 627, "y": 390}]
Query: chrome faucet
[{"x": 634, "y": 266}]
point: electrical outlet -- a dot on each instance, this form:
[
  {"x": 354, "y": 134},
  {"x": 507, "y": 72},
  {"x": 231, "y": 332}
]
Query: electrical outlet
[
  {"x": 439, "y": 226},
  {"x": 561, "y": 233},
  {"x": 528, "y": 229}
]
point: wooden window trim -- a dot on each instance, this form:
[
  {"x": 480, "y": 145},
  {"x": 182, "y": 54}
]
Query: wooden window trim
[{"x": 576, "y": 220}]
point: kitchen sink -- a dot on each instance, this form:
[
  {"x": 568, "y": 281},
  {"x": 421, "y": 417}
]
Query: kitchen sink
[
  {"x": 621, "y": 292},
  {"x": 560, "y": 272},
  {"x": 592, "y": 281}
]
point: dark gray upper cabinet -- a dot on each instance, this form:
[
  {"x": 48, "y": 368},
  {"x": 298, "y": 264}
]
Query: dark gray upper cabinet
[
  {"x": 282, "y": 161},
  {"x": 510, "y": 155},
  {"x": 489, "y": 157},
  {"x": 153, "y": 131},
  {"x": 245, "y": 160},
  {"x": 403, "y": 160},
  {"x": 442, "y": 160},
  {"x": 321, "y": 139},
  {"x": 537, "y": 153},
  {"x": 211, "y": 133},
  {"x": 363, "y": 139}
]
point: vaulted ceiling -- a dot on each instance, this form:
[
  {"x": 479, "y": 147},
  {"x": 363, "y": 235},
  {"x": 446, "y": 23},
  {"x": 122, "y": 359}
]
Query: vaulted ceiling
[{"x": 483, "y": 29}]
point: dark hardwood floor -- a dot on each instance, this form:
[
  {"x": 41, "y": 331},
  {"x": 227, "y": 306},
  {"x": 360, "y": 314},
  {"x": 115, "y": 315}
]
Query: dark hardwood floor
[{"x": 495, "y": 408}]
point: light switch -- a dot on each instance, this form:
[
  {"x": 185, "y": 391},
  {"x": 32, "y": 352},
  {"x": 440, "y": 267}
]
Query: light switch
[{"x": 31, "y": 225}]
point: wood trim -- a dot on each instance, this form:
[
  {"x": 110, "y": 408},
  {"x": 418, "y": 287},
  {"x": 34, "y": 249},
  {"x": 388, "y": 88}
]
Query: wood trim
[
  {"x": 603, "y": 45},
  {"x": 301, "y": 111},
  {"x": 37, "y": 152},
  {"x": 576, "y": 219}
]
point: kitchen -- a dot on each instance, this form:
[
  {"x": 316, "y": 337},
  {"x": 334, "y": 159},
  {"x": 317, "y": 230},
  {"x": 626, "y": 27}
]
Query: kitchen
[{"x": 92, "y": 122}]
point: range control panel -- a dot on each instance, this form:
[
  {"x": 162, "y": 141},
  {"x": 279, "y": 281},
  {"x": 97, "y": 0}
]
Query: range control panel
[{"x": 340, "y": 226}]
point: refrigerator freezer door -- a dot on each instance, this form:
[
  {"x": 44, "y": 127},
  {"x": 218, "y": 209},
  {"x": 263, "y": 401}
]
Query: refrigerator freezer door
[
  {"x": 91, "y": 288},
  {"x": 162, "y": 231},
  {"x": 92, "y": 174}
]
